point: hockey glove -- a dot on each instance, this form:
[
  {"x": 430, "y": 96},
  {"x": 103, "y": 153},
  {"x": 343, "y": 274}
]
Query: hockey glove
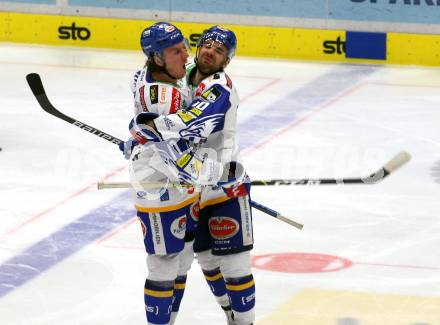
[
  {"x": 127, "y": 147},
  {"x": 142, "y": 132},
  {"x": 234, "y": 181},
  {"x": 192, "y": 167}
]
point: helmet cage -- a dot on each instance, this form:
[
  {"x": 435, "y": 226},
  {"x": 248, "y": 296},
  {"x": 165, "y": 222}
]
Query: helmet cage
[{"x": 220, "y": 35}]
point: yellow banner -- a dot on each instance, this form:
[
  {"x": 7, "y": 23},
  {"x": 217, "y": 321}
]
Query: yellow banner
[{"x": 257, "y": 41}]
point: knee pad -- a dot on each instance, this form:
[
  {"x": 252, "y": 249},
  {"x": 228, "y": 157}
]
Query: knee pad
[
  {"x": 207, "y": 261},
  {"x": 162, "y": 267},
  {"x": 186, "y": 258},
  {"x": 235, "y": 265}
]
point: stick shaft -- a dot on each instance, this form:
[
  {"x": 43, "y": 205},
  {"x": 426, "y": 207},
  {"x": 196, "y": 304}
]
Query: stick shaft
[
  {"x": 401, "y": 158},
  {"x": 37, "y": 88},
  {"x": 277, "y": 215}
]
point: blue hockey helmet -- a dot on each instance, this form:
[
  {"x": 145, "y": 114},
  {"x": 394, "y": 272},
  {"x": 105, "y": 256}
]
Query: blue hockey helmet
[
  {"x": 221, "y": 35},
  {"x": 156, "y": 38}
]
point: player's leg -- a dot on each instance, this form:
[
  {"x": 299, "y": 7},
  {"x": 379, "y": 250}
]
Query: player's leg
[
  {"x": 159, "y": 287},
  {"x": 240, "y": 286},
  {"x": 185, "y": 260},
  {"x": 230, "y": 225},
  {"x": 164, "y": 241},
  {"x": 210, "y": 264}
]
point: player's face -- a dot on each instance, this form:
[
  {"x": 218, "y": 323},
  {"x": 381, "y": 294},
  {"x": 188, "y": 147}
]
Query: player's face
[
  {"x": 175, "y": 58},
  {"x": 212, "y": 57}
]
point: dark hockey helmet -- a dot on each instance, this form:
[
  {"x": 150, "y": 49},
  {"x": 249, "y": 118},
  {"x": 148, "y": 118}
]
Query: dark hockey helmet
[
  {"x": 221, "y": 35},
  {"x": 156, "y": 38}
]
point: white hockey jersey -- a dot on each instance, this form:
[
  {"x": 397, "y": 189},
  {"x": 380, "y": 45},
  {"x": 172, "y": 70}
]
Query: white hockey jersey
[
  {"x": 211, "y": 121},
  {"x": 158, "y": 97},
  {"x": 224, "y": 142},
  {"x": 146, "y": 166}
]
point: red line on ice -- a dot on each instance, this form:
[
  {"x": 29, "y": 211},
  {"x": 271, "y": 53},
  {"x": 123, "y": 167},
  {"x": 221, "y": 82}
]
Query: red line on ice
[{"x": 73, "y": 195}]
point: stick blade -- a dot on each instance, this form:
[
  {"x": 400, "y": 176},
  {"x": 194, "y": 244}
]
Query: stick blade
[
  {"x": 397, "y": 161},
  {"x": 35, "y": 84}
]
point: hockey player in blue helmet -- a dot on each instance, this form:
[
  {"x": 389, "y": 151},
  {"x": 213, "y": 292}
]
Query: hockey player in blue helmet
[
  {"x": 161, "y": 43},
  {"x": 224, "y": 236},
  {"x": 166, "y": 214},
  {"x": 225, "y": 260},
  {"x": 215, "y": 49},
  {"x": 166, "y": 51}
]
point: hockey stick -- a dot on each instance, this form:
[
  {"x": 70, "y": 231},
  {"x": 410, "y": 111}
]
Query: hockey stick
[
  {"x": 392, "y": 165},
  {"x": 277, "y": 215},
  {"x": 400, "y": 159},
  {"x": 37, "y": 88}
]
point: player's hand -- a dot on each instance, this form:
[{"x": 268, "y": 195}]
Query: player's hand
[
  {"x": 238, "y": 189},
  {"x": 127, "y": 147},
  {"x": 234, "y": 181},
  {"x": 197, "y": 170},
  {"x": 142, "y": 131},
  {"x": 189, "y": 166}
]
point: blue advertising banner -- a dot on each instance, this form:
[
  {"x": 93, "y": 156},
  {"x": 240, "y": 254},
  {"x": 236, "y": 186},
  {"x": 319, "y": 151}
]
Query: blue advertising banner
[{"x": 365, "y": 45}]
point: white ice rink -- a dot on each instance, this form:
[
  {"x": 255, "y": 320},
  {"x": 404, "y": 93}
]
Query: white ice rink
[{"x": 368, "y": 254}]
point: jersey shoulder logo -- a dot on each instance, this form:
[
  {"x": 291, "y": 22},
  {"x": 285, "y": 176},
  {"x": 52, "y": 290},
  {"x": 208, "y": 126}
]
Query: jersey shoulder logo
[
  {"x": 142, "y": 99},
  {"x": 212, "y": 94},
  {"x": 176, "y": 101},
  {"x": 154, "y": 90}
]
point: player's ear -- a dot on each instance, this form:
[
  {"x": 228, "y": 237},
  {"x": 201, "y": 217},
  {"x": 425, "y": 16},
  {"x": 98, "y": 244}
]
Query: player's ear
[
  {"x": 225, "y": 64},
  {"x": 158, "y": 60}
]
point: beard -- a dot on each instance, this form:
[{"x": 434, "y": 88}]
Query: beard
[{"x": 209, "y": 68}]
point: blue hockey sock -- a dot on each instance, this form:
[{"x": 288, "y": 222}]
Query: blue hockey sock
[
  {"x": 241, "y": 293},
  {"x": 158, "y": 297},
  {"x": 179, "y": 289},
  {"x": 216, "y": 283}
]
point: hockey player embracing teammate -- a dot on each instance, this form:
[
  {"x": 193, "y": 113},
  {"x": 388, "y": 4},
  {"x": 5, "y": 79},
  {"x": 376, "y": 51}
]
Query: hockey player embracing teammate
[{"x": 184, "y": 131}]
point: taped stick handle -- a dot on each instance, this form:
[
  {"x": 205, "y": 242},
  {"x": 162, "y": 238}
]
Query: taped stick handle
[
  {"x": 102, "y": 185},
  {"x": 397, "y": 161}
]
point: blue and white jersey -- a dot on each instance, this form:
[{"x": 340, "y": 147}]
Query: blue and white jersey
[
  {"x": 223, "y": 142},
  {"x": 158, "y": 97},
  {"x": 210, "y": 119},
  {"x": 146, "y": 165}
]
